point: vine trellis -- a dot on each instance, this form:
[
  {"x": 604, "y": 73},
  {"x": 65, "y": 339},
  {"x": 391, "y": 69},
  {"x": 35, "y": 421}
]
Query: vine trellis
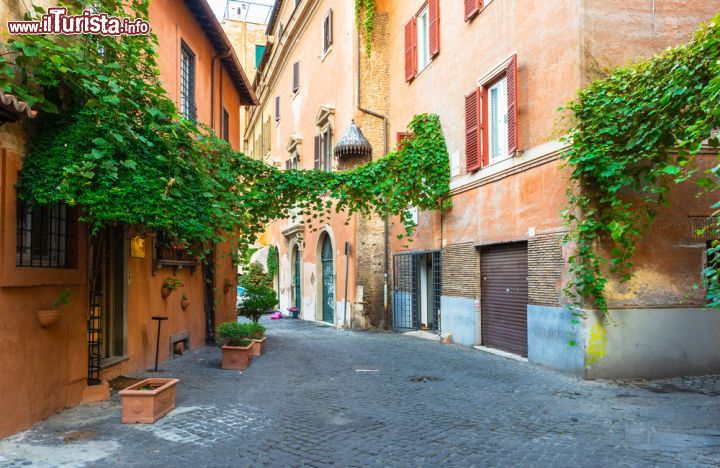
[
  {"x": 636, "y": 134},
  {"x": 110, "y": 140}
]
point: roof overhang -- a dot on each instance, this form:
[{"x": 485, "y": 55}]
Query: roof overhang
[{"x": 220, "y": 42}]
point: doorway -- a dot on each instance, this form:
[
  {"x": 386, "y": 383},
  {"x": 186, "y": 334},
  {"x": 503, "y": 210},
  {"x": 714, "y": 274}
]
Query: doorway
[
  {"x": 107, "y": 322},
  {"x": 296, "y": 280},
  {"x": 416, "y": 291},
  {"x": 328, "y": 280}
]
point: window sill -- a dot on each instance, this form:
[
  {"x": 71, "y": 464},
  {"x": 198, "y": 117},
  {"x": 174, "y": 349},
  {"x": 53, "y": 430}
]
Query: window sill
[
  {"x": 325, "y": 54},
  {"x": 113, "y": 361}
]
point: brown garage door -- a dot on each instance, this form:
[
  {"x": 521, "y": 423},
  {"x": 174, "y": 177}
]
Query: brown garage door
[{"x": 504, "y": 289}]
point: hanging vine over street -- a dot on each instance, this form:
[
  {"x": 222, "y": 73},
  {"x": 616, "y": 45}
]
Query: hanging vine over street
[
  {"x": 110, "y": 141},
  {"x": 637, "y": 133}
]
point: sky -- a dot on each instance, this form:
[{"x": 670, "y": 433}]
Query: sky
[{"x": 258, "y": 9}]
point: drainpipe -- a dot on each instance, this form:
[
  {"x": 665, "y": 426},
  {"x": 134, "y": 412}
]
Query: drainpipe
[
  {"x": 222, "y": 56},
  {"x": 386, "y": 228}
]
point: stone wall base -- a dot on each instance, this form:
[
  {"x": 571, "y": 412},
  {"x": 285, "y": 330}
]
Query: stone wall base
[{"x": 630, "y": 343}]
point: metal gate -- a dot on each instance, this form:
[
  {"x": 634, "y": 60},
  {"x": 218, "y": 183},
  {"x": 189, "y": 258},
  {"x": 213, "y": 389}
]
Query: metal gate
[
  {"x": 405, "y": 293},
  {"x": 95, "y": 318},
  {"x": 328, "y": 281},
  {"x": 406, "y": 298},
  {"x": 504, "y": 289}
]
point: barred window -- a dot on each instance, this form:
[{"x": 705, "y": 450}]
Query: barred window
[
  {"x": 187, "y": 82},
  {"x": 44, "y": 235}
]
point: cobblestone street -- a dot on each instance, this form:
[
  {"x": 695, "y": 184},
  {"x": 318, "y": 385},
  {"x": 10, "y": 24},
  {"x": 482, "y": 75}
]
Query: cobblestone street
[{"x": 320, "y": 396}]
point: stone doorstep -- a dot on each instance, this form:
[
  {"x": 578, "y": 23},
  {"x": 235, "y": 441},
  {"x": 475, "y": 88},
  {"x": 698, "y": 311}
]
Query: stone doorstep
[
  {"x": 100, "y": 392},
  {"x": 504, "y": 354}
]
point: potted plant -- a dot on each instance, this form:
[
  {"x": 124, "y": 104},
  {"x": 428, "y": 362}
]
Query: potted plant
[
  {"x": 169, "y": 285},
  {"x": 147, "y": 401},
  {"x": 257, "y": 334},
  {"x": 294, "y": 311},
  {"x": 184, "y": 302},
  {"x": 49, "y": 316},
  {"x": 237, "y": 349}
]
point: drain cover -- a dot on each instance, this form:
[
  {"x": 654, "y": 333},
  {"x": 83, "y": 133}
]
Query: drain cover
[{"x": 424, "y": 378}]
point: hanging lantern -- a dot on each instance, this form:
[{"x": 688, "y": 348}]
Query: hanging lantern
[{"x": 353, "y": 144}]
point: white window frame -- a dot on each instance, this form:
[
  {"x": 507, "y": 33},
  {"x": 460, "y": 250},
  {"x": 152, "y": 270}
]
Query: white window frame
[
  {"x": 497, "y": 113},
  {"x": 423, "y": 39},
  {"x": 326, "y": 148},
  {"x": 327, "y": 22}
]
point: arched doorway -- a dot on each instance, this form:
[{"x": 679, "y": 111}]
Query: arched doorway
[
  {"x": 296, "y": 279},
  {"x": 328, "y": 280}
]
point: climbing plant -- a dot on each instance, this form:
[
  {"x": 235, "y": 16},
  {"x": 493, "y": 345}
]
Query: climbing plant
[
  {"x": 365, "y": 20},
  {"x": 110, "y": 141},
  {"x": 273, "y": 261},
  {"x": 637, "y": 133}
]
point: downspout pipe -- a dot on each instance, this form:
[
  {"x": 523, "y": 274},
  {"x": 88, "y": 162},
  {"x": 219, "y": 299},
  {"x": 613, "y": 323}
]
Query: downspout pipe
[
  {"x": 215, "y": 57},
  {"x": 386, "y": 228}
]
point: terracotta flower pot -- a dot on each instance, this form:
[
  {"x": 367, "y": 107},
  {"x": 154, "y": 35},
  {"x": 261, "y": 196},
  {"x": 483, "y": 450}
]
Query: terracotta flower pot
[
  {"x": 184, "y": 303},
  {"x": 147, "y": 406},
  {"x": 47, "y": 317},
  {"x": 165, "y": 293},
  {"x": 259, "y": 346},
  {"x": 237, "y": 357}
]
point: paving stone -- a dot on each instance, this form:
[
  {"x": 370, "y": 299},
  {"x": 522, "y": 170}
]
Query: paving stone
[{"x": 325, "y": 397}]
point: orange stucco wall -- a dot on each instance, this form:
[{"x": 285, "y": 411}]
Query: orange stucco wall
[
  {"x": 43, "y": 370},
  {"x": 325, "y": 80},
  {"x": 560, "y": 46}
]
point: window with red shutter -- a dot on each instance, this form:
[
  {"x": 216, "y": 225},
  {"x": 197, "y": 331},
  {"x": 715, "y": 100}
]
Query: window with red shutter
[
  {"x": 473, "y": 135},
  {"x": 434, "y": 27},
  {"x": 511, "y": 73},
  {"x": 472, "y": 8},
  {"x": 411, "y": 49},
  {"x": 500, "y": 114},
  {"x": 401, "y": 136}
]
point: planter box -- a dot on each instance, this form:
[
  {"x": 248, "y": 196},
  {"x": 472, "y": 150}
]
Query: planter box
[
  {"x": 259, "y": 346},
  {"x": 236, "y": 357},
  {"x": 147, "y": 406}
]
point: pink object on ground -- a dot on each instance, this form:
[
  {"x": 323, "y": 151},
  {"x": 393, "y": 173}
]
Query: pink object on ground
[{"x": 276, "y": 316}]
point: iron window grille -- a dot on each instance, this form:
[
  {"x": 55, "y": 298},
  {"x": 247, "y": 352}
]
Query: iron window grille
[
  {"x": 44, "y": 235},
  {"x": 187, "y": 83}
]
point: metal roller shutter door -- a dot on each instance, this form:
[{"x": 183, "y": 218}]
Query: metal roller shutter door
[{"x": 504, "y": 289}]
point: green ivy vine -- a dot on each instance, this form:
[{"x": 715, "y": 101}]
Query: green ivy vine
[
  {"x": 273, "y": 261},
  {"x": 636, "y": 134},
  {"x": 365, "y": 20},
  {"x": 110, "y": 141}
]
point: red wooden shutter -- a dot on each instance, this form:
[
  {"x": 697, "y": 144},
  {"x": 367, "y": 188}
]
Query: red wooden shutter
[
  {"x": 317, "y": 151},
  {"x": 434, "y": 26},
  {"x": 472, "y": 8},
  {"x": 400, "y": 137},
  {"x": 473, "y": 105},
  {"x": 511, "y": 72},
  {"x": 411, "y": 49}
]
